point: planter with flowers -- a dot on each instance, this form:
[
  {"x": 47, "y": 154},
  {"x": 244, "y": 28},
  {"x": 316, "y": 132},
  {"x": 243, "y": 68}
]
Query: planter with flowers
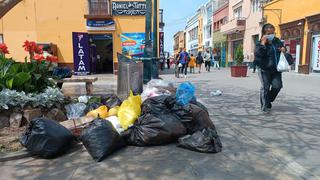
[
  {"x": 239, "y": 70},
  {"x": 27, "y": 85}
]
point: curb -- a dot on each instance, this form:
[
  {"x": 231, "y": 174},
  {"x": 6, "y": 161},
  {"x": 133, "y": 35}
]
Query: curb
[
  {"x": 24, "y": 154},
  {"x": 14, "y": 156}
]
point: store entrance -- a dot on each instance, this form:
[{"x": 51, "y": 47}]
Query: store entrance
[{"x": 101, "y": 53}]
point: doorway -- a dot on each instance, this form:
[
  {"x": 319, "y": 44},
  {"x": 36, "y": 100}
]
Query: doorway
[{"x": 101, "y": 53}]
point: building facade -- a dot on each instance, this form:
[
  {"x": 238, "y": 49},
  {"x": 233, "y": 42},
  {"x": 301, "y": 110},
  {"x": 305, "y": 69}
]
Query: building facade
[
  {"x": 219, "y": 40},
  {"x": 298, "y": 24},
  {"x": 243, "y": 27},
  {"x": 192, "y": 33},
  {"x": 179, "y": 42},
  {"x": 205, "y": 25},
  {"x": 110, "y": 26}
]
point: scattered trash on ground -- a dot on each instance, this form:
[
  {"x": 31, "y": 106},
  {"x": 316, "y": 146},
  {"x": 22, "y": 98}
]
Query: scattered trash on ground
[
  {"x": 105, "y": 124},
  {"x": 216, "y": 93}
]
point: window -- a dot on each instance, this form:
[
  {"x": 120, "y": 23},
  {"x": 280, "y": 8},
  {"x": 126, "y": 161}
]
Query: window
[
  {"x": 255, "y": 5},
  {"x": 209, "y": 13},
  {"x": 1, "y": 38},
  {"x": 208, "y": 31},
  {"x": 193, "y": 34},
  {"x": 237, "y": 12}
]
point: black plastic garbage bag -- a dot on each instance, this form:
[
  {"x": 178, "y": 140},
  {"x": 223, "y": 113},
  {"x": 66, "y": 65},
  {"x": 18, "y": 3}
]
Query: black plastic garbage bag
[
  {"x": 183, "y": 112},
  {"x": 111, "y": 100},
  {"x": 46, "y": 138},
  {"x": 101, "y": 139},
  {"x": 200, "y": 120},
  {"x": 205, "y": 141},
  {"x": 158, "y": 105},
  {"x": 199, "y": 104},
  {"x": 155, "y": 130},
  {"x": 91, "y": 107}
]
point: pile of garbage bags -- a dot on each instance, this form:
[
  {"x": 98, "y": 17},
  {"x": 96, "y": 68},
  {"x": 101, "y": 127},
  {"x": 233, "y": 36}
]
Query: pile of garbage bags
[{"x": 161, "y": 115}]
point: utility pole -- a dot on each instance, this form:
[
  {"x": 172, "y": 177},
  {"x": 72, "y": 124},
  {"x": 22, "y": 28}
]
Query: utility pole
[
  {"x": 155, "y": 62},
  {"x": 147, "y": 64}
]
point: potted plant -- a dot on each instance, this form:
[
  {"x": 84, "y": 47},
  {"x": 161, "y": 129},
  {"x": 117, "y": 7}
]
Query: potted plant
[{"x": 239, "y": 70}]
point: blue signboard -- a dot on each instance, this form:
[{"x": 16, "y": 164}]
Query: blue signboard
[
  {"x": 100, "y": 25},
  {"x": 81, "y": 53},
  {"x": 133, "y": 44}
]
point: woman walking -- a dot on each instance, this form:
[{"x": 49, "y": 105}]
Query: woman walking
[
  {"x": 267, "y": 57},
  {"x": 199, "y": 61},
  {"x": 192, "y": 63}
]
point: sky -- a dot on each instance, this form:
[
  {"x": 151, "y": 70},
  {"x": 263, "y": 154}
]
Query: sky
[{"x": 176, "y": 13}]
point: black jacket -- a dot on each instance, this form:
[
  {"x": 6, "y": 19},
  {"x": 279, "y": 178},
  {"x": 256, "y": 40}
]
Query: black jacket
[
  {"x": 267, "y": 56},
  {"x": 199, "y": 59}
]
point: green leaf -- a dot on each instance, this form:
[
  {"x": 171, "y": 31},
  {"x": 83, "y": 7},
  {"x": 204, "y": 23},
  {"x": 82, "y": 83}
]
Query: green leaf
[
  {"x": 37, "y": 76},
  {"x": 21, "y": 78},
  {"x": 15, "y": 68},
  {"x": 9, "y": 83}
]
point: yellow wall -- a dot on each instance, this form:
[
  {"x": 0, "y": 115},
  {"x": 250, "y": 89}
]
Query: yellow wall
[
  {"x": 54, "y": 21},
  {"x": 200, "y": 34},
  {"x": 18, "y": 26},
  {"x": 292, "y": 10},
  {"x": 1, "y": 27}
]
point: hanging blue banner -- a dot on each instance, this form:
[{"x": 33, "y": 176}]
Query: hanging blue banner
[{"x": 81, "y": 53}]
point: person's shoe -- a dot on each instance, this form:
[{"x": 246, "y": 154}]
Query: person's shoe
[
  {"x": 266, "y": 110},
  {"x": 185, "y": 76},
  {"x": 270, "y": 106}
]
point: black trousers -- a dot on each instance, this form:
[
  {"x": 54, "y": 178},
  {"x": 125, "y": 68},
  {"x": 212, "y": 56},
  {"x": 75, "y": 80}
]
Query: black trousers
[
  {"x": 271, "y": 84},
  {"x": 207, "y": 65}
]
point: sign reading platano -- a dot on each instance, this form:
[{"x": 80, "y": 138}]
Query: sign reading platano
[{"x": 132, "y": 8}]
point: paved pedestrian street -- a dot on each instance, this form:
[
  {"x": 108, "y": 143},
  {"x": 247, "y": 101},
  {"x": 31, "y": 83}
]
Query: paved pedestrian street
[{"x": 284, "y": 144}]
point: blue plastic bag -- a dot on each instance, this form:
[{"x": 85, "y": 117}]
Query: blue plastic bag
[{"x": 185, "y": 93}]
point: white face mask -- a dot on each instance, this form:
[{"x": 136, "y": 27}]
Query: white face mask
[{"x": 270, "y": 37}]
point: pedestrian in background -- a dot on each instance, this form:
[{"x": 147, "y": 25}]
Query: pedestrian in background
[
  {"x": 267, "y": 56},
  {"x": 216, "y": 59},
  {"x": 206, "y": 58},
  {"x": 199, "y": 62},
  {"x": 168, "y": 62},
  {"x": 177, "y": 64},
  {"x": 183, "y": 62},
  {"x": 192, "y": 63}
]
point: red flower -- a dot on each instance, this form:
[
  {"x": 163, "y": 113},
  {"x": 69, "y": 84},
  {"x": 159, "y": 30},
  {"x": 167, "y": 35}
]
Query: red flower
[
  {"x": 3, "y": 49},
  {"x": 52, "y": 58},
  {"x": 32, "y": 47},
  {"x": 38, "y": 57},
  {"x": 39, "y": 50}
]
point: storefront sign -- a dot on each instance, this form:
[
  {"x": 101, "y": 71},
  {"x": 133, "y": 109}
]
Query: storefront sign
[
  {"x": 161, "y": 45},
  {"x": 133, "y": 44},
  {"x": 135, "y": 8},
  {"x": 81, "y": 53},
  {"x": 316, "y": 53},
  {"x": 101, "y": 25},
  {"x": 194, "y": 46}
]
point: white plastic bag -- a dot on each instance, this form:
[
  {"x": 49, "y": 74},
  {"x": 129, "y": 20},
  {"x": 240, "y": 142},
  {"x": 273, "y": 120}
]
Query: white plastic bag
[
  {"x": 116, "y": 123},
  {"x": 283, "y": 65}
]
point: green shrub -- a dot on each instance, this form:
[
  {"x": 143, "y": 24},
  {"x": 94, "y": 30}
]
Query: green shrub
[{"x": 239, "y": 55}]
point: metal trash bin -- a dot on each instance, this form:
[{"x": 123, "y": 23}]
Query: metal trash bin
[{"x": 130, "y": 76}]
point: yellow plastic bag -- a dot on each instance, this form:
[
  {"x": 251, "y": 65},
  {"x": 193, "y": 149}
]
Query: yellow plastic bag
[
  {"x": 113, "y": 111},
  {"x": 101, "y": 112},
  {"x": 129, "y": 111}
]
